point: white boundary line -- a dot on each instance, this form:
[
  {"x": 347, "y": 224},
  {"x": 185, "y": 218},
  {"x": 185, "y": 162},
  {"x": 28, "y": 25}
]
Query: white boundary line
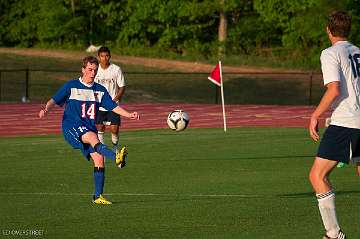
[{"x": 134, "y": 194}]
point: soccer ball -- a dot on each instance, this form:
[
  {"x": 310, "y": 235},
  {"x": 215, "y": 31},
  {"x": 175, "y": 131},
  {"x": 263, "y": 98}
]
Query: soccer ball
[{"x": 178, "y": 120}]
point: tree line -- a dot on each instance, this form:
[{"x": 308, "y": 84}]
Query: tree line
[{"x": 198, "y": 28}]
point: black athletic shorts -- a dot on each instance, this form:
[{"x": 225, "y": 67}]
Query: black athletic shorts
[
  {"x": 106, "y": 117},
  {"x": 340, "y": 144}
]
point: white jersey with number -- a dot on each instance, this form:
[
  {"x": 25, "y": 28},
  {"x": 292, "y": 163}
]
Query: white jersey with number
[
  {"x": 111, "y": 78},
  {"x": 341, "y": 62}
]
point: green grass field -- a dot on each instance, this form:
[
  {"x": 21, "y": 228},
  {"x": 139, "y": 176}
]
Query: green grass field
[{"x": 200, "y": 183}]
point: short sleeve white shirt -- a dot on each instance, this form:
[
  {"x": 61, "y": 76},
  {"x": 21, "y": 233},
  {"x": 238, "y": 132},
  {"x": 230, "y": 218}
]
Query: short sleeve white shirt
[
  {"x": 111, "y": 78},
  {"x": 341, "y": 62}
]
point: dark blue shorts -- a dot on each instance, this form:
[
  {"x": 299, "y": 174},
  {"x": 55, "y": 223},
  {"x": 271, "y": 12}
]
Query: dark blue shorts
[
  {"x": 73, "y": 137},
  {"x": 102, "y": 117},
  {"x": 340, "y": 144}
]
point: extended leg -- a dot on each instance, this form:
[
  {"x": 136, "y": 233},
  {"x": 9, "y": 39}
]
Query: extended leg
[{"x": 92, "y": 139}]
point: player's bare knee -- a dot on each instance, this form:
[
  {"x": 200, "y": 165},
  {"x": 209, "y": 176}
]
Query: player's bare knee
[
  {"x": 315, "y": 177},
  {"x": 100, "y": 127},
  {"x": 114, "y": 129},
  {"x": 90, "y": 138}
]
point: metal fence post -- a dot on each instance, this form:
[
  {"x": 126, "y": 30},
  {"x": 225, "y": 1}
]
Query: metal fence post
[
  {"x": 216, "y": 94},
  {"x": 26, "y": 84},
  {"x": 310, "y": 87},
  {"x": 0, "y": 84}
]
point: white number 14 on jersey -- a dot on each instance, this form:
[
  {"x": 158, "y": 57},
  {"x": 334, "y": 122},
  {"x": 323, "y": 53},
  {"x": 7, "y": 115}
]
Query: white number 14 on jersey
[{"x": 88, "y": 113}]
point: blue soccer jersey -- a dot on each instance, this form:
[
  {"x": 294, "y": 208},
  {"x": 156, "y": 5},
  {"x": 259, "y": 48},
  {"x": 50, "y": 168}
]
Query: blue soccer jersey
[{"x": 82, "y": 103}]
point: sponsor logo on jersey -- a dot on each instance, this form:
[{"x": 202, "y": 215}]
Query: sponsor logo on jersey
[{"x": 86, "y": 95}]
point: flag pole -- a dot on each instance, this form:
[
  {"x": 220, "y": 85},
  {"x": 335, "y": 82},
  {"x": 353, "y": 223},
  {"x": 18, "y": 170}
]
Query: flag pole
[{"x": 222, "y": 96}]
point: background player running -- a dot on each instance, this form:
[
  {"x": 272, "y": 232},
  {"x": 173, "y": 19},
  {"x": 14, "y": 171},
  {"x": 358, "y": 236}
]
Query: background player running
[
  {"x": 82, "y": 98},
  {"x": 112, "y": 78}
]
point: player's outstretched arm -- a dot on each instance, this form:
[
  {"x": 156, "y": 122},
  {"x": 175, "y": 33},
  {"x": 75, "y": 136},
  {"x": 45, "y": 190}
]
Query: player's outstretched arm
[
  {"x": 49, "y": 105},
  {"x": 120, "y": 111}
]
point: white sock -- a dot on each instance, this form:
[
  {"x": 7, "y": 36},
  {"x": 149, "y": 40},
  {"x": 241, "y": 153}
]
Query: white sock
[
  {"x": 101, "y": 136},
  {"x": 328, "y": 213},
  {"x": 114, "y": 140}
]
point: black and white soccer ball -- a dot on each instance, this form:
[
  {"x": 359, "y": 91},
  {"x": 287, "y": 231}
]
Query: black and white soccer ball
[{"x": 178, "y": 120}]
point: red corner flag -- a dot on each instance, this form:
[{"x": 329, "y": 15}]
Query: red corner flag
[{"x": 215, "y": 76}]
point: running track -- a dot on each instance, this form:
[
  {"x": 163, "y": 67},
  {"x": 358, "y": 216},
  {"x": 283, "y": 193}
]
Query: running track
[{"x": 22, "y": 119}]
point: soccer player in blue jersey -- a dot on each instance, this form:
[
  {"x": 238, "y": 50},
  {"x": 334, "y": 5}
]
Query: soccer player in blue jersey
[{"x": 82, "y": 98}]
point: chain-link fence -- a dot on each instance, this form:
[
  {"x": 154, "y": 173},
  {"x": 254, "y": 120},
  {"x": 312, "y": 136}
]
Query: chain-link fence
[{"x": 294, "y": 88}]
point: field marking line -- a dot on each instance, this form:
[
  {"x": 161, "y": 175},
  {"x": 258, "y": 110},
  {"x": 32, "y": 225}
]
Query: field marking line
[
  {"x": 136, "y": 194},
  {"x": 160, "y": 195}
]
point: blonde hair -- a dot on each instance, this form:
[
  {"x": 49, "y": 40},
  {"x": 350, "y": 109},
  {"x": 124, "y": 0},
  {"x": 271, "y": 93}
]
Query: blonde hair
[{"x": 89, "y": 59}]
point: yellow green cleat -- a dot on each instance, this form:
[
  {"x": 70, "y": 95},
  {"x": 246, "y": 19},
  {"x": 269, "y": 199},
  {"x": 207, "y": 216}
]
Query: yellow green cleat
[
  {"x": 101, "y": 200},
  {"x": 120, "y": 157}
]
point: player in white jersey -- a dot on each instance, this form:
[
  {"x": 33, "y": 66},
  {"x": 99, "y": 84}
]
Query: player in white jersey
[
  {"x": 111, "y": 77},
  {"x": 340, "y": 66}
]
